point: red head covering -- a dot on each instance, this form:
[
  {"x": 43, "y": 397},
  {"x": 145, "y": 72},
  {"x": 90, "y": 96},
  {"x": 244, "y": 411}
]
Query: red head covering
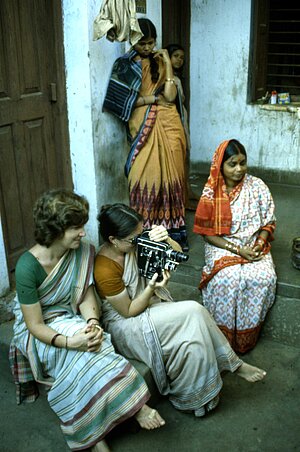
[{"x": 213, "y": 214}]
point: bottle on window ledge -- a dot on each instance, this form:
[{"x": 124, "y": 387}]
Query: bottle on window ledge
[{"x": 273, "y": 97}]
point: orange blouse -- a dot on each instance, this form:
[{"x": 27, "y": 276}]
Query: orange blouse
[{"x": 108, "y": 276}]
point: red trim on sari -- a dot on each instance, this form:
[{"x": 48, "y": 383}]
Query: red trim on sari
[
  {"x": 145, "y": 131},
  {"x": 225, "y": 261},
  {"x": 241, "y": 340},
  {"x": 213, "y": 214},
  {"x": 270, "y": 228}
]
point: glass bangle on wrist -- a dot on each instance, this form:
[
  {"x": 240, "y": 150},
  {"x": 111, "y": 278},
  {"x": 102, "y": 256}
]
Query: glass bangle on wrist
[
  {"x": 53, "y": 339},
  {"x": 232, "y": 248},
  {"x": 260, "y": 242}
]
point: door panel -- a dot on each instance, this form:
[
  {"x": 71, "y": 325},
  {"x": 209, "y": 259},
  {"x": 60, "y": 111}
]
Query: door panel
[
  {"x": 176, "y": 16},
  {"x": 34, "y": 147}
]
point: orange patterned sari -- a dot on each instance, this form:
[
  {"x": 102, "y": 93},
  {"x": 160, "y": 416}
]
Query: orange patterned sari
[{"x": 156, "y": 161}]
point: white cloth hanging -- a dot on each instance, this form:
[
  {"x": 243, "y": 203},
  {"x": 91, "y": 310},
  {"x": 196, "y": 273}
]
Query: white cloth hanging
[{"x": 117, "y": 20}]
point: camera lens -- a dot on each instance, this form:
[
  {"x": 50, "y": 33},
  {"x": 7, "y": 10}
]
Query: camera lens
[{"x": 177, "y": 256}]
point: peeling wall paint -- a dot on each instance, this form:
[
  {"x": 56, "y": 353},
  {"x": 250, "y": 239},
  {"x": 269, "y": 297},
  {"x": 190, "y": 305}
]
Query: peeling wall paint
[
  {"x": 79, "y": 103},
  {"x": 97, "y": 139},
  {"x": 109, "y": 135},
  {"x": 220, "y": 36}
]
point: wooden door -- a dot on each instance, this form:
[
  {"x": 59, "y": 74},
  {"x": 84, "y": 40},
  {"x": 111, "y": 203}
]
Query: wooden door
[
  {"x": 176, "y": 16},
  {"x": 34, "y": 149}
]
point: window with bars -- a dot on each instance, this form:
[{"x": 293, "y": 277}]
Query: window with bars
[{"x": 275, "y": 49}]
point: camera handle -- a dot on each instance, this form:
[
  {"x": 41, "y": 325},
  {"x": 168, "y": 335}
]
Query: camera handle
[{"x": 148, "y": 261}]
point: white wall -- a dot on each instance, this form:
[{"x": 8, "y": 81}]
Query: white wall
[
  {"x": 4, "y": 281},
  {"x": 79, "y": 104},
  {"x": 98, "y": 145},
  {"x": 97, "y": 139},
  {"x": 220, "y": 34},
  {"x": 110, "y": 142}
]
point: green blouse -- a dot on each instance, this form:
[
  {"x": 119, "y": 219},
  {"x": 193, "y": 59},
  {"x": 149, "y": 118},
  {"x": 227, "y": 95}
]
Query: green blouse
[{"x": 29, "y": 276}]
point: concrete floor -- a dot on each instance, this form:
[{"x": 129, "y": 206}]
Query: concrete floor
[{"x": 260, "y": 417}]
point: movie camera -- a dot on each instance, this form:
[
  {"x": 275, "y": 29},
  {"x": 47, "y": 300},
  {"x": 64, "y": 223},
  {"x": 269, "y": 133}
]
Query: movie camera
[{"x": 154, "y": 257}]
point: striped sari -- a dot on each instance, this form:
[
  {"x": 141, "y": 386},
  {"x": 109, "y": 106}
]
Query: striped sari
[
  {"x": 179, "y": 341},
  {"x": 90, "y": 392}
]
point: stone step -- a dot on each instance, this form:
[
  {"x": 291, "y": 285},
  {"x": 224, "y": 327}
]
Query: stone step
[
  {"x": 283, "y": 320},
  {"x": 190, "y": 274}
]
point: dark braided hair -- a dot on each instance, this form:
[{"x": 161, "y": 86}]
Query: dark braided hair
[
  {"x": 149, "y": 31},
  {"x": 118, "y": 220}
]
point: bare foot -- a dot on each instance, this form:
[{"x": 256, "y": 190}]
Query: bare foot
[
  {"x": 100, "y": 447},
  {"x": 149, "y": 418},
  {"x": 251, "y": 373}
]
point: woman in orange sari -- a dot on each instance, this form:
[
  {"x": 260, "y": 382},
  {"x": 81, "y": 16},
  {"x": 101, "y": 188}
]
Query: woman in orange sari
[
  {"x": 141, "y": 92},
  {"x": 236, "y": 217}
]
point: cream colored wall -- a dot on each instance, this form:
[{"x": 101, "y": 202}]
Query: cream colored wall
[{"x": 220, "y": 43}]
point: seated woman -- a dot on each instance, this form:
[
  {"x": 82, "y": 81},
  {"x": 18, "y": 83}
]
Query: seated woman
[
  {"x": 235, "y": 215},
  {"x": 180, "y": 342},
  {"x": 57, "y": 336}
]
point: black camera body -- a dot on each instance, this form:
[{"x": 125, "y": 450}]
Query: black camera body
[{"x": 154, "y": 257}]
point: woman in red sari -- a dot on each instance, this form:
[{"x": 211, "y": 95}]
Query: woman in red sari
[{"x": 235, "y": 215}]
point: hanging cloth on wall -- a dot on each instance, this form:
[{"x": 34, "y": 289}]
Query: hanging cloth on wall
[{"x": 117, "y": 19}]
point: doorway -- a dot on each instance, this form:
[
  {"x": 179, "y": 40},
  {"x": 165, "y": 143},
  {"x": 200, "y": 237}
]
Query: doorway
[
  {"x": 176, "y": 18},
  {"x": 34, "y": 144}
]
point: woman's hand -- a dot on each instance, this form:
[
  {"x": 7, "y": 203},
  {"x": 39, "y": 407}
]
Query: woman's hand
[
  {"x": 89, "y": 339},
  {"x": 163, "y": 53},
  {"x": 163, "y": 102},
  {"x": 163, "y": 283},
  {"x": 250, "y": 254},
  {"x": 158, "y": 233},
  {"x": 257, "y": 248}
]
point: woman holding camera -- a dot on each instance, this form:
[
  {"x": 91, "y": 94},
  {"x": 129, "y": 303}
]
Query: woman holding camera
[
  {"x": 58, "y": 340},
  {"x": 179, "y": 342}
]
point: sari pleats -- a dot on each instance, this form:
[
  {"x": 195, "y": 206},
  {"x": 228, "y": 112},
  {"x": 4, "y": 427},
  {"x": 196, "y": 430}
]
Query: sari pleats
[
  {"x": 157, "y": 163},
  {"x": 180, "y": 343},
  {"x": 89, "y": 392}
]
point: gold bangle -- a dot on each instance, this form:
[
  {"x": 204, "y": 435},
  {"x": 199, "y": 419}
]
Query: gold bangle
[{"x": 171, "y": 80}]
